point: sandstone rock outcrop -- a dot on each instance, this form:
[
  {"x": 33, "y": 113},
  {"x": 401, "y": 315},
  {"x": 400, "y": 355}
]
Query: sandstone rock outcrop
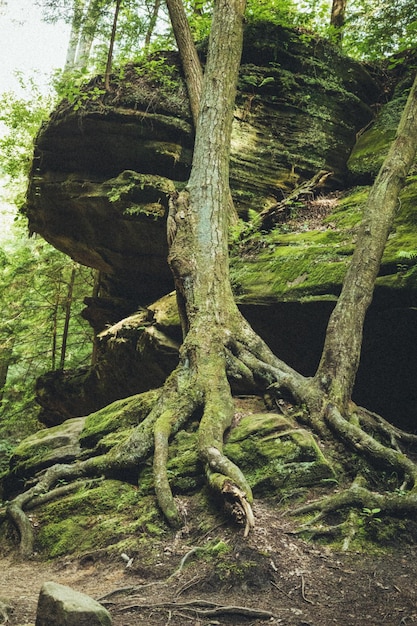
[
  {"x": 60, "y": 605},
  {"x": 104, "y": 168}
]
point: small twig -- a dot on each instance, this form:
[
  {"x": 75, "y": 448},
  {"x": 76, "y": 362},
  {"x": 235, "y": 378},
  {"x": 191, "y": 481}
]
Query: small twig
[
  {"x": 281, "y": 590},
  {"x": 188, "y": 585},
  {"x": 303, "y": 585}
]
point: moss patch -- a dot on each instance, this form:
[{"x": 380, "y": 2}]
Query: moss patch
[
  {"x": 96, "y": 517},
  {"x": 275, "y": 454},
  {"x": 116, "y": 417},
  {"x": 59, "y": 443}
]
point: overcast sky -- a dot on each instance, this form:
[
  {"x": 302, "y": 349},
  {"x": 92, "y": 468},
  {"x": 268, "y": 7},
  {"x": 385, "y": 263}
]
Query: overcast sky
[{"x": 28, "y": 44}]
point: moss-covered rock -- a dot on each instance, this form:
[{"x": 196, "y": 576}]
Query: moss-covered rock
[
  {"x": 276, "y": 455},
  {"x": 101, "y": 515},
  {"x": 118, "y": 416},
  {"x": 46, "y": 447},
  {"x": 274, "y": 452},
  {"x": 105, "y": 165}
]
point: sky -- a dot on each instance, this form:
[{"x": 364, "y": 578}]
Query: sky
[
  {"x": 31, "y": 47},
  {"x": 28, "y": 44}
]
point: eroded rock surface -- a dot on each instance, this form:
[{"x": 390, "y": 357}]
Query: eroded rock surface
[
  {"x": 104, "y": 167},
  {"x": 60, "y": 605}
]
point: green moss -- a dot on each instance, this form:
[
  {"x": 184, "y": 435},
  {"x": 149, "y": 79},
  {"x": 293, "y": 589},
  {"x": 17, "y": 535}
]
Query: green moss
[
  {"x": 94, "y": 517},
  {"x": 39, "y": 449},
  {"x": 274, "y": 454},
  {"x": 117, "y": 416},
  {"x": 372, "y": 146}
]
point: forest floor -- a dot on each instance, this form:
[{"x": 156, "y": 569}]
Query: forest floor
[{"x": 296, "y": 582}]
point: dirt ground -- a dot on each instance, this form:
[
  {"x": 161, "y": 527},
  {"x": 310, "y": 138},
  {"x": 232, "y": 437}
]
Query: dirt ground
[{"x": 295, "y": 583}]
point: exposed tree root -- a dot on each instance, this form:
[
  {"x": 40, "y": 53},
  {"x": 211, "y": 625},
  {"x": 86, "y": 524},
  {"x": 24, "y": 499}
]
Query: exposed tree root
[
  {"x": 203, "y": 608},
  {"x": 203, "y": 386}
]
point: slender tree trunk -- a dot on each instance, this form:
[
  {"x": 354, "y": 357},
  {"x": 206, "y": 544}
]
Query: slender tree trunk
[
  {"x": 89, "y": 28},
  {"x": 111, "y": 46},
  {"x": 95, "y": 294},
  {"x": 337, "y": 18},
  {"x": 340, "y": 359},
  {"x": 6, "y": 353},
  {"x": 74, "y": 35},
  {"x": 188, "y": 53},
  {"x": 68, "y": 305},
  {"x": 55, "y": 326},
  {"x": 152, "y": 22}
]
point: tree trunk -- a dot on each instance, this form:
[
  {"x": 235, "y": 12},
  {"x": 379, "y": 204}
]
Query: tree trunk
[
  {"x": 111, "y": 47},
  {"x": 95, "y": 294},
  {"x": 340, "y": 359},
  {"x": 55, "y": 310},
  {"x": 152, "y": 23},
  {"x": 74, "y": 35},
  {"x": 68, "y": 304},
  {"x": 188, "y": 53},
  {"x": 6, "y": 354},
  {"x": 337, "y": 18},
  {"x": 88, "y": 31}
]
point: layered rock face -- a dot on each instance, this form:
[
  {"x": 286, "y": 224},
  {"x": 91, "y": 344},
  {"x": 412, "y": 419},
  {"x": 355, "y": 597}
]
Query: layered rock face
[{"x": 105, "y": 166}]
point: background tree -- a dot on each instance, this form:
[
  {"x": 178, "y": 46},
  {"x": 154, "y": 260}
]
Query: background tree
[
  {"x": 337, "y": 17},
  {"x": 41, "y": 291}
]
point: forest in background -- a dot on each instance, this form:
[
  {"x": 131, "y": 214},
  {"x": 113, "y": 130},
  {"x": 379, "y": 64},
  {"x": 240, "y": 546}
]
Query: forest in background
[{"x": 41, "y": 290}]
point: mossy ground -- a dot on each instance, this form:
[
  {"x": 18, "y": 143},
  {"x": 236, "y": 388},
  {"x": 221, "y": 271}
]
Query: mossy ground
[{"x": 275, "y": 454}]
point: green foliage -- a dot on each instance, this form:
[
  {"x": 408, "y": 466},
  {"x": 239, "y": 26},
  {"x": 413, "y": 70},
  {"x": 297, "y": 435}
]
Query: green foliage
[
  {"x": 33, "y": 298},
  {"x": 73, "y": 87},
  {"x": 375, "y": 30},
  {"x": 157, "y": 70},
  {"x": 21, "y": 117},
  {"x": 282, "y": 12},
  {"x": 199, "y": 14}
]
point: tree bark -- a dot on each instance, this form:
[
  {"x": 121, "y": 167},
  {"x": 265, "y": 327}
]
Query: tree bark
[
  {"x": 74, "y": 35},
  {"x": 111, "y": 47},
  {"x": 89, "y": 28},
  {"x": 152, "y": 23},
  {"x": 68, "y": 304},
  {"x": 6, "y": 355},
  {"x": 188, "y": 54},
  {"x": 340, "y": 359},
  {"x": 337, "y": 18}
]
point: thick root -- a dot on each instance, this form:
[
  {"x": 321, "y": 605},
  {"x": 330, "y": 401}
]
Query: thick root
[{"x": 202, "y": 383}]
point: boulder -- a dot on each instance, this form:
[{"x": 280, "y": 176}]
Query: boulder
[{"x": 59, "y": 605}]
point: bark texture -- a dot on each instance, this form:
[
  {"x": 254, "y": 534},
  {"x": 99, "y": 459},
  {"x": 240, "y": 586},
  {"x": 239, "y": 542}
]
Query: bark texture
[
  {"x": 188, "y": 53},
  {"x": 341, "y": 353}
]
